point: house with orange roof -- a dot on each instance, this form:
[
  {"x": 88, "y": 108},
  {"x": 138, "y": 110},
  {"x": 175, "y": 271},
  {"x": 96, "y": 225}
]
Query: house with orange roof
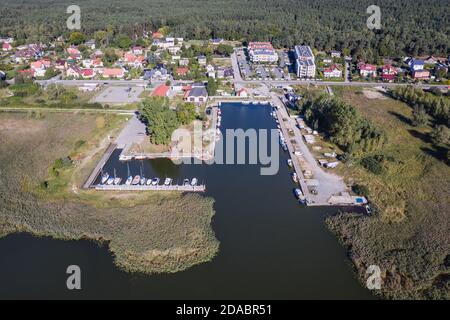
[
  {"x": 117, "y": 73},
  {"x": 182, "y": 71},
  {"x": 161, "y": 91}
]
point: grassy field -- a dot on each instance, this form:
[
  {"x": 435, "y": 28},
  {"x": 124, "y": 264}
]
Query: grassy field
[
  {"x": 408, "y": 236},
  {"x": 45, "y": 157}
]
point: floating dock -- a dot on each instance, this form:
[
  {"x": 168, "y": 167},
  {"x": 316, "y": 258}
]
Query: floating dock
[{"x": 199, "y": 188}]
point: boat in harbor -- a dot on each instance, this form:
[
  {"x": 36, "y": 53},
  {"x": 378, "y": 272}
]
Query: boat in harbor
[
  {"x": 129, "y": 181},
  {"x": 149, "y": 182},
  {"x": 289, "y": 162},
  {"x": 300, "y": 196},
  {"x": 294, "y": 177},
  {"x": 284, "y": 146},
  {"x": 136, "y": 180},
  {"x": 110, "y": 181},
  {"x": 168, "y": 181},
  {"x": 194, "y": 182},
  {"x": 117, "y": 181},
  {"x": 105, "y": 177},
  {"x": 155, "y": 181},
  {"x": 186, "y": 182},
  {"x": 143, "y": 180}
]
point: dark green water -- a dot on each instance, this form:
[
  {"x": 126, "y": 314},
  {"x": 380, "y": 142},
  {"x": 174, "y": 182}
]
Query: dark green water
[{"x": 270, "y": 247}]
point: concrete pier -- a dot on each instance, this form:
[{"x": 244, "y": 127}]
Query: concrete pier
[{"x": 199, "y": 188}]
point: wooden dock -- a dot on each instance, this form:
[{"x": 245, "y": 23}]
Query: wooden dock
[
  {"x": 91, "y": 179},
  {"x": 199, "y": 188}
]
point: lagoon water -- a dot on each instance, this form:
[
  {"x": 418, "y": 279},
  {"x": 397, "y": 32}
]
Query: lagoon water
[{"x": 270, "y": 247}]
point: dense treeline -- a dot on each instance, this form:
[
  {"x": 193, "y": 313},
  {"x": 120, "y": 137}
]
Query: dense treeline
[
  {"x": 344, "y": 125},
  {"x": 414, "y": 28},
  {"x": 437, "y": 106}
]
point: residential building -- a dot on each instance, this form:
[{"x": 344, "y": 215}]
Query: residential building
[
  {"x": 421, "y": 74},
  {"x": 336, "y": 54},
  {"x": 182, "y": 71},
  {"x": 388, "y": 73},
  {"x": 90, "y": 44},
  {"x": 304, "y": 61},
  {"x": 184, "y": 62},
  {"x": 262, "y": 52},
  {"x": 161, "y": 91},
  {"x": 196, "y": 94},
  {"x": 416, "y": 64},
  {"x": 201, "y": 60},
  {"x": 6, "y": 46},
  {"x": 367, "y": 70},
  {"x": 113, "y": 73},
  {"x": 333, "y": 72}
]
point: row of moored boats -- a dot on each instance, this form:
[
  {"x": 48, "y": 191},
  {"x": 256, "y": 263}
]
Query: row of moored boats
[{"x": 106, "y": 179}]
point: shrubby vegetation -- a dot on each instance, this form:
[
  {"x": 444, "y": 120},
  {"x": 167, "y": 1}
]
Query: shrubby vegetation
[
  {"x": 162, "y": 120},
  {"x": 407, "y": 28},
  {"x": 343, "y": 124}
]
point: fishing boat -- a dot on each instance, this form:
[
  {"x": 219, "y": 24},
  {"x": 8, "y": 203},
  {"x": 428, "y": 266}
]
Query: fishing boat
[
  {"x": 129, "y": 181},
  {"x": 136, "y": 180},
  {"x": 289, "y": 162},
  {"x": 105, "y": 177},
  {"x": 194, "y": 182},
  {"x": 294, "y": 177},
  {"x": 155, "y": 181},
  {"x": 168, "y": 181}
]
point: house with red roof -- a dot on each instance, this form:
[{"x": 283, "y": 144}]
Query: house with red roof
[
  {"x": 132, "y": 60},
  {"x": 6, "y": 46},
  {"x": 182, "y": 71},
  {"x": 389, "y": 73},
  {"x": 332, "y": 72},
  {"x": 87, "y": 73},
  {"x": 421, "y": 74},
  {"x": 367, "y": 70},
  {"x": 117, "y": 73},
  {"x": 161, "y": 91}
]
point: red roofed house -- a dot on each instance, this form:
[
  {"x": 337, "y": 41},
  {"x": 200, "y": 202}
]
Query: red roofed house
[
  {"x": 161, "y": 91},
  {"x": 39, "y": 68},
  {"x": 389, "y": 73},
  {"x": 113, "y": 73},
  {"x": 87, "y": 73},
  {"x": 242, "y": 93},
  {"x": 6, "y": 46},
  {"x": 368, "y": 70},
  {"x": 73, "y": 71},
  {"x": 332, "y": 72},
  {"x": 421, "y": 74},
  {"x": 157, "y": 35},
  {"x": 133, "y": 61},
  {"x": 182, "y": 71}
]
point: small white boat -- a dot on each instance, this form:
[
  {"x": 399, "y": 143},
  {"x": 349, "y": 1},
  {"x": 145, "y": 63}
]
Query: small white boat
[
  {"x": 105, "y": 177},
  {"x": 289, "y": 162},
  {"x": 186, "y": 182},
  {"x": 110, "y": 181},
  {"x": 155, "y": 181},
  {"x": 149, "y": 182},
  {"x": 143, "y": 180},
  {"x": 168, "y": 181},
  {"x": 136, "y": 180},
  {"x": 294, "y": 177},
  {"x": 117, "y": 181},
  {"x": 300, "y": 196},
  {"x": 129, "y": 181},
  {"x": 194, "y": 182}
]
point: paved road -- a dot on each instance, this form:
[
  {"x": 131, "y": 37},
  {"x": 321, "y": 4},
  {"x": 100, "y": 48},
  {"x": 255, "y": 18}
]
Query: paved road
[
  {"x": 100, "y": 82},
  {"x": 69, "y": 110}
]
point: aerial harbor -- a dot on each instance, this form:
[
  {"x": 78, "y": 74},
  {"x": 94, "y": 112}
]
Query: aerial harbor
[{"x": 211, "y": 155}]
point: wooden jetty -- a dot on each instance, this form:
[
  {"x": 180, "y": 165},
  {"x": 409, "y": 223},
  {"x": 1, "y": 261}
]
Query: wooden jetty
[
  {"x": 199, "y": 188},
  {"x": 93, "y": 176}
]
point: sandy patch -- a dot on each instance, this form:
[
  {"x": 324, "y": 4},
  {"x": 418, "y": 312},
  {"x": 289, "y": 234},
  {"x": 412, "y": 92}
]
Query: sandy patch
[{"x": 373, "y": 94}]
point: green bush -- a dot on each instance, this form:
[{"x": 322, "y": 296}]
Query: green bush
[{"x": 373, "y": 164}]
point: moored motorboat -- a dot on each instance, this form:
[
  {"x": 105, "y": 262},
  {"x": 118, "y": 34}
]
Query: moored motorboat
[
  {"x": 136, "y": 180},
  {"x": 143, "y": 180},
  {"x": 117, "y": 181},
  {"x": 289, "y": 162},
  {"x": 294, "y": 177},
  {"x": 194, "y": 182},
  {"x": 110, "y": 181},
  {"x": 129, "y": 181},
  {"x": 155, "y": 181},
  {"x": 168, "y": 181},
  {"x": 186, "y": 182},
  {"x": 105, "y": 177}
]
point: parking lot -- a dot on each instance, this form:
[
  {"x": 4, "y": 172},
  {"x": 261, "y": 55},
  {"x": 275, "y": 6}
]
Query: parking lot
[
  {"x": 254, "y": 71},
  {"x": 118, "y": 95}
]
